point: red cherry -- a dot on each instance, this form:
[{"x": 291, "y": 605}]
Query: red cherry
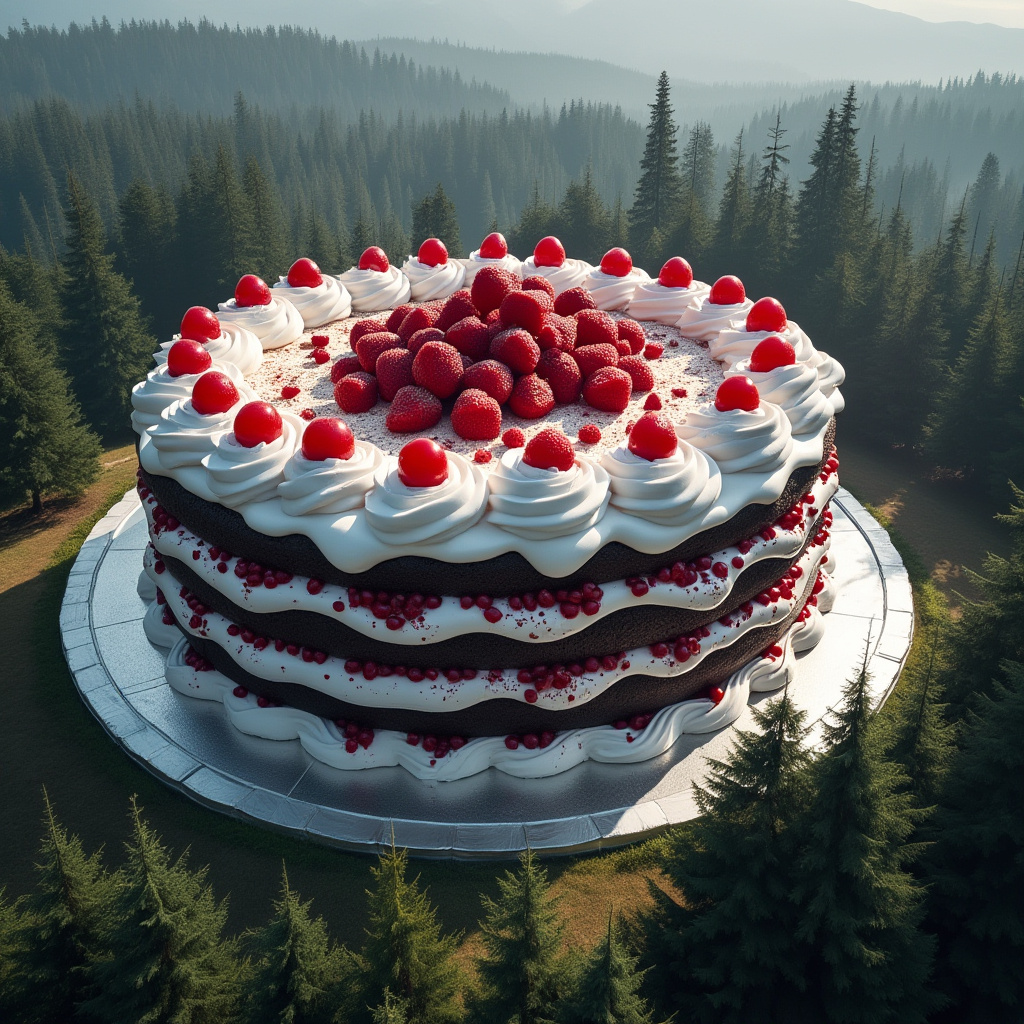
[
  {"x": 653, "y": 437},
  {"x": 772, "y": 353},
  {"x": 200, "y": 324},
  {"x": 327, "y": 437},
  {"x": 616, "y": 262},
  {"x": 737, "y": 393},
  {"x": 374, "y": 258},
  {"x": 422, "y": 463},
  {"x": 433, "y": 253},
  {"x": 494, "y": 247},
  {"x": 676, "y": 273},
  {"x": 214, "y": 392},
  {"x": 549, "y": 252},
  {"x": 252, "y": 291},
  {"x": 304, "y": 273},
  {"x": 766, "y": 315},
  {"x": 186, "y": 356},
  {"x": 727, "y": 291},
  {"x": 255, "y": 423}
]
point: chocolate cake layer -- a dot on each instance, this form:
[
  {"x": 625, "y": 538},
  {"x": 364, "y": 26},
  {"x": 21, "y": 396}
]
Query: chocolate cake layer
[
  {"x": 507, "y": 574},
  {"x": 622, "y": 630},
  {"x": 634, "y": 694}
]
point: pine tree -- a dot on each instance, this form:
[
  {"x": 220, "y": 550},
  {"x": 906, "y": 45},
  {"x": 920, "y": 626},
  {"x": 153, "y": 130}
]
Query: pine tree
[
  {"x": 104, "y": 342},
  {"x": 522, "y": 967},
  {"x": 658, "y": 190},
  {"x": 230, "y": 232},
  {"x": 269, "y": 244},
  {"x": 608, "y": 991},
  {"x": 12, "y": 930},
  {"x": 981, "y": 206},
  {"x": 584, "y": 223},
  {"x": 434, "y": 216},
  {"x": 951, "y": 281},
  {"x": 976, "y": 869},
  {"x": 319, "y": 244},
  {"x": 44, "y": 446},
  {"x": 537, "y": 220},
  {"x": 61, "y": 929},
  {"x": 814, "y": 209},
  {"x": 727, "y": 954},
  {"x": 391, "y": 1010},
  {"x": 864, "y": 956},
  {"x": 694, "y": 229},
  {"x": 733, "y": 214},
  {"x": 170, "y": 960},
  {"x": 405, "y": 953},
  {"x": 769, "y": 230},
  {"x": 295, "y": 967}
]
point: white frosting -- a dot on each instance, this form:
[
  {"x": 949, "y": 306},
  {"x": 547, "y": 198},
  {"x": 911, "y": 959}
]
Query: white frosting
[
  {"x": 654, "y": 301},
  {"x": 668, "y": 491},
  {"x": 238, "y": 475},
  {"x": 830, "y": 375},
  {"x": 702, "y": 319},
  {"x": 429, "y": 283},
  {"x": 159, "y": 390},
  {"x": 450, "y": 619},
  {"x": 411, "y": 515},
  {"x": 740, "y": 441},
  {"x": 374, "y": 290},
  {"x": 330, "y": 486},
  {"x": 234, "y": 345},
  {"x": 736, "y": 342},
  {"x": 611, "y": 292},
  {"x": 475, "y": 263},
  {"x": 795, "y": 389},
  {"x": 327, "y": 302},
  {"x": 538, "y": 504},
  {"x": 182, "y": 436},
  {"x": 571, "y": 274},
  {"x": 159, "y": 633},
  {"x": 276, "y": 324}
]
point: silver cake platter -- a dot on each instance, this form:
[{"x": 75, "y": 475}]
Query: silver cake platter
[{"x": 190, "y": 745}]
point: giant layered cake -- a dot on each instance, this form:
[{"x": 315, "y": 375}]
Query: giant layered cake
[{"x": 482, "y": 513}]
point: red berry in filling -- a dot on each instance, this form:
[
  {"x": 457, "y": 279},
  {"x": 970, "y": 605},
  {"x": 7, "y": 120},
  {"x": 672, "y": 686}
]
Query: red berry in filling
[
  {"x": 433, "y": 253},
  {"x": 616, "y": 262},
  {"x": 737, "y": 393},
  {"x": 257, "y": 423},
  {"x": 608, "y": 389},
  {"x": 572, "y": 300},
  {"x": 356, "y": 393},
  {"x": 653, "y": 437},
  {"x": 476, "y": 416},
  {"x": 549, "y": 252},
  {"x": 676, "y": 273},
  {"x": 766, "y": 315},
  {"x": 252, "y": 291},
  {"x": 304, "y": 273},
  {"x": 200, "y": 324},
  {"x": 413, "y": 409},
  {"x": 494, "y": 247},
  {"x": 589, "y": 433},
  {"x": 422, "y": 463},
  {"x": 772, "y": 353},
  {"x": 727, "y": 291},
  {"x": 374, "y": 258},
  {"x": 531, "y": 397},
  {"x": 437, "y": 367},
  {"x": 214, "y": 392},
  {"x": 550, "y": 449},
  {"x": 327, "y": 438},
  {"x": 186, "y": 356}
]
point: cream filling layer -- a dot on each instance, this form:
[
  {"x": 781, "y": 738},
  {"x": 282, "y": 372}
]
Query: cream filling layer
[
  {"x": 332, "y": 678},
  {"x": 451, "y": 620}
]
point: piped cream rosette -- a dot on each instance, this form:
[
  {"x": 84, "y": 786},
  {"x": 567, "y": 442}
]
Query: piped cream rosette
[
  {"x": 402, "y": 515},
  {"x": 795, "y": 389},
  {"x": 538, "y": 504},
  {"x": 740, "y": 441},
  {"x": 184, "y": 437},
  {"x": 610, "y": 292},
  {"x": 276, "y": 324},
  {"x": 238, "y": 475},
  {"x": 654, "y": 301},
  {"x": 235, "y": 345},
  {"x": 374, "y": 290},
  {"x": 703, "y": 319},
  {"x": 571, "y": 273},
  {"x": 475, "y": 263},
  {"x": 427, "y": 283},
  {"x": 736, "y": 342},
  {"x": 328, "y": 486},
  {"x": 154, "y": 394},
  {"x": 327, "y": 302}
]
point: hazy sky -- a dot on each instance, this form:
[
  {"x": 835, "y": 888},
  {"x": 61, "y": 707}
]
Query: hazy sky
[{"x": 999, "y": 12}]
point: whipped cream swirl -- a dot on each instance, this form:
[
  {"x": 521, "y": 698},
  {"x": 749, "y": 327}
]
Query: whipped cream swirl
[
  {"x": 182, "y": 436},
  {"x": 374, "y": 290},
  {"x": 327, "y": 302},
  {"x": 328, "y": 486},
  {"x": 428, "y": 283},
  {"x": 475, "y": 263},
  {"x": 276, "y": 324},
  {"x": 399, "y": 514},
  {"x": 667, "y": 491},
  {"x": 795, "y": 389},
  {"x": 571, "y": 274},
  {"x": 831, "y": 374},
  {"x": 740, "y": 441},
  {"x": 154, "y": 394},
  {"x": 234, "y": 345},
  {"x": 538, "y": 504},
  {"x": 702, "y": 319},
  {"x": 611, "y": 292},
  {"x": 654, "y": 301},
  {"x": 237, "y": 475},
  {"x": 735, "y": 343}
]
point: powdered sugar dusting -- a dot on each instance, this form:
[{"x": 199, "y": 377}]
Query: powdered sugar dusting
[{"x": 685, "y": 366}]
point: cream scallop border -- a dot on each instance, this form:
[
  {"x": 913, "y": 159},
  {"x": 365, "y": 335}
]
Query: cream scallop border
[{"x": 120, "y": 678}]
